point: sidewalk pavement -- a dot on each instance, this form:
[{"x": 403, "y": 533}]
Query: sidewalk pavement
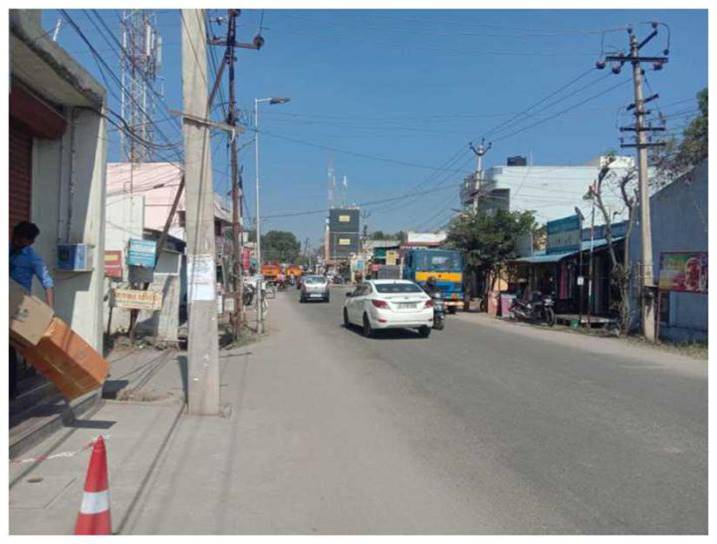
[
  {"x": 144, "y": 400},
  {"x": 45, "y": 495}
]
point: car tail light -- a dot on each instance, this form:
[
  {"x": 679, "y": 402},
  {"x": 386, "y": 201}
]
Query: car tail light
[
  {"x": 429, "y": 304},
  {"x": 380, "y": 304}
]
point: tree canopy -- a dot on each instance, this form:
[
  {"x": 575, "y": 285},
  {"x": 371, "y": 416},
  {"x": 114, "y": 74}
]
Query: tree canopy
[
  {"x": 488, "y": 241},
  {"x": 380, "y": 235},
  {"x": 679, "y": 155},
  {"x": 280, "y": 246}
]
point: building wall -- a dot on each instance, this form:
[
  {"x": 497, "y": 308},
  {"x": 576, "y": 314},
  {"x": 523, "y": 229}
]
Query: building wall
[
  {"x": 551, "y": 191},
  {"x": 158, "y": 182},
  {"x": 679, "y": 220},
  {"x": 68, "y": 206}
]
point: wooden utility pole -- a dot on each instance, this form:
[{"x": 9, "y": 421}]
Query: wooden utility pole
[
  {"x": 203, "y": 349},
  {"x": 641, "y": 128}
]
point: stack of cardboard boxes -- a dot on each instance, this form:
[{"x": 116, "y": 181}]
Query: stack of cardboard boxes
[{"x": 52, "y": 347}]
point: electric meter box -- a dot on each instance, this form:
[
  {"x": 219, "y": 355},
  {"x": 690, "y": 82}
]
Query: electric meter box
[{"x": 75, "y": 257}]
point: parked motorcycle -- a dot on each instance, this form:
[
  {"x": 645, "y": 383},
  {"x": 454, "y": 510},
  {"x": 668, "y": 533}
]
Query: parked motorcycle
[
  {"x": 439, "y": 311},
  {"x": 538, "y": 309},
  {"x": 248, "y": 294}
]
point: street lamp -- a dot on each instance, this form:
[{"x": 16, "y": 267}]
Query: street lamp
[{"x": 272, "y": 101}]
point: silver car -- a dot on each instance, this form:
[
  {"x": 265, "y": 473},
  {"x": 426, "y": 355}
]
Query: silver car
[{"x": 314, "y": 288}]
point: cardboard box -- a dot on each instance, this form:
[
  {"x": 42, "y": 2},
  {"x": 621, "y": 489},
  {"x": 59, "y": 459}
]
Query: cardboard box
[
  {"x": 64, "y": 358},
  {"x": 29, "y": 316}
]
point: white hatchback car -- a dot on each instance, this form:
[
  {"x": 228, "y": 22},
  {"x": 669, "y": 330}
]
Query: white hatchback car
[{"x": 389, "y": 304}]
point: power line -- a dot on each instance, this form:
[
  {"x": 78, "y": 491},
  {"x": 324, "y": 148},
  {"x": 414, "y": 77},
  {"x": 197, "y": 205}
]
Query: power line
[
  {"x": 561, "y": 112},
  {"x": 345, "y": 151},
  {"x": 361, "y": 205},
  {"x": 529, "y": 108}
]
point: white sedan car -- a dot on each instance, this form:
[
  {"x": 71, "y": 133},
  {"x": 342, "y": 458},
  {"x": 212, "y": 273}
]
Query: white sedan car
[{"x": 389, "y": 304}]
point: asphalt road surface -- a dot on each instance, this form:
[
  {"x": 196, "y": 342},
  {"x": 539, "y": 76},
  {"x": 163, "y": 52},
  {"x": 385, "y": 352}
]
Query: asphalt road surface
[{"x": 482, "y": 428}]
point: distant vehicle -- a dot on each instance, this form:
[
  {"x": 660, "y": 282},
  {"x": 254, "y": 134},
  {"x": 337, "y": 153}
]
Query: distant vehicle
[
  {"x": 270, "y": 271},
  {"x": 446, "y": 265},
  {"x": 314, "y": 288},
  {"x": 389, "y": 304},
  {"x": 294, "y": 270}
]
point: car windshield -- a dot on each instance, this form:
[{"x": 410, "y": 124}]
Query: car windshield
[
  {"x": 314, "y": 279},
  {"x": 397, "y": 288}
]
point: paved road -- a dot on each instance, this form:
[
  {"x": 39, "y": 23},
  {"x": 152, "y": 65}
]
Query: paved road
[{"x": 481, "y": 428}]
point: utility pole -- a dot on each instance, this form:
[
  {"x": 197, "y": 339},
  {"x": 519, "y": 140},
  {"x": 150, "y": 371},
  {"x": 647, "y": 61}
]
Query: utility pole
[
  {"x": 479, "y": 153},
  {"x": 237, "y": 182},
  {"x": 237, "y": 276},
  {"x": 642, "y": 144},
  {"x": 203, "y": 351}
]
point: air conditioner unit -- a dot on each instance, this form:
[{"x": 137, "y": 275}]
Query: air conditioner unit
[{"x": 75, "y": 257}]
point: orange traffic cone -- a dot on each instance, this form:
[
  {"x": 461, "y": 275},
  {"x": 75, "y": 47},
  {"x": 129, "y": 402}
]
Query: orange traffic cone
[{"x": 94, "y": 517}]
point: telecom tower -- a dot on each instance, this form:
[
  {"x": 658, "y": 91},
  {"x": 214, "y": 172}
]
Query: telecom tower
[{"x": 139, "y": 67}]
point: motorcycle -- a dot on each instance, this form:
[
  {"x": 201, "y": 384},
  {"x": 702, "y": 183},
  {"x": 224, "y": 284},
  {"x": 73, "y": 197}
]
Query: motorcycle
[
  {"x": 538, "y": 309},
  {"x": 248, "y": 294},
  {"x": 439, "y": 311}
]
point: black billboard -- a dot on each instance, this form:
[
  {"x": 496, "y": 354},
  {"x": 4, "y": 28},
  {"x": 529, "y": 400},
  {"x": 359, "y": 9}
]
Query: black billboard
[
  {"x": 344, "y": 220},
  {"x": 343, "y": 244}
]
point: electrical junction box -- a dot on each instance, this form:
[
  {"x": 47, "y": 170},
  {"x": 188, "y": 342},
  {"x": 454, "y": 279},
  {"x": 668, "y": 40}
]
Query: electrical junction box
[{"x": 75, "y": 257}]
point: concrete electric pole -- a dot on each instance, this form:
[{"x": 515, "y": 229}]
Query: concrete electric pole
[
  {"x": 479, "y": 153},
  {"x": 642, "y": 144},
  {"x": 203, "y": 350}
]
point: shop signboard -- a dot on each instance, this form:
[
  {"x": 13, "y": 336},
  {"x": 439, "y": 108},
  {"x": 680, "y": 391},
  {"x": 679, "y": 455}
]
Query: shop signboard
[
  {"x": 135, "y": 299},
  {"x": 142, "y": 253},
  {"x": 391, "y": 257},
  {"x": 563, "y": 235},
  {"x": 113, "y": 264},
  {"x": 684, "y": 272}
]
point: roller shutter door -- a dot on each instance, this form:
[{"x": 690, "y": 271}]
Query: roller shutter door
[{"x": 20, "y": 178}]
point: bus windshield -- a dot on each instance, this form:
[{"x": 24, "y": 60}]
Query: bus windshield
[{"x": 444, "y": 261}]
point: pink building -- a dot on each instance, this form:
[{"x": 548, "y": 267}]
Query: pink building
[{"x": 158, "y": 182}]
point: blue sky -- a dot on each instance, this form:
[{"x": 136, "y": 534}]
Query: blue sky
[{"x": 414, "y": 87}]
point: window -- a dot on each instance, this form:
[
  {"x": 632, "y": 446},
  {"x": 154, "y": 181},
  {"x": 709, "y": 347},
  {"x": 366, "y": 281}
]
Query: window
[{"x": 398, "y": 288}]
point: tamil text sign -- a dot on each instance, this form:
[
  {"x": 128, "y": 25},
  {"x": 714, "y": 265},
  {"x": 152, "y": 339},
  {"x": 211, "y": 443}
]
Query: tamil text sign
[
  {"x": 134, "y": 299},
  {"x": 683, "y": 271}
]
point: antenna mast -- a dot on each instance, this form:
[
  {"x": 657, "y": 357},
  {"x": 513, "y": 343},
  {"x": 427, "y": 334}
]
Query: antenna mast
[{"x": 139, "y": 66}]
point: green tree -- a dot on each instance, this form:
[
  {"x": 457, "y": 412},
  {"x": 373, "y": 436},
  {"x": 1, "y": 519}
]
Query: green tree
[
  {"x": 280, "y": 246},
  {"x": 679, "y": 155},
  {"x": 380, "y": 235},
  {"x": 489, "y": 241}
]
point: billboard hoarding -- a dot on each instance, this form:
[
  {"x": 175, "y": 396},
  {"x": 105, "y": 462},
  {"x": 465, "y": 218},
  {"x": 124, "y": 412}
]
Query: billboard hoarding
[{"x": 685, "y": 272}]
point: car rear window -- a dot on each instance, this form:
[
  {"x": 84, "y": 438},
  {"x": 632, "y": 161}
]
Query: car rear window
[
  {"x": 397, "y": 288},
  {"x": 314, "y": 279}
]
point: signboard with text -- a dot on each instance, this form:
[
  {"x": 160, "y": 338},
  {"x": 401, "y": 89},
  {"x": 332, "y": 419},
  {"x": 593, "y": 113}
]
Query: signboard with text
[
  {"x": 563, "y": 235},
  {"x": 142, "y": 253},
  {"x": 684, "y": 272},
  {"x": 113, "y": 264},
  {"x": 135, "y": 299}
]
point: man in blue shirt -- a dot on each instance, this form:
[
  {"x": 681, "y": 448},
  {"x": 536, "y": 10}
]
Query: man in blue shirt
[{"x": 24, "y": 264}]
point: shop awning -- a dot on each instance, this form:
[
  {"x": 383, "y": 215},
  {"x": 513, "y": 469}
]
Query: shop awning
[{"x": 544, "y": 258}]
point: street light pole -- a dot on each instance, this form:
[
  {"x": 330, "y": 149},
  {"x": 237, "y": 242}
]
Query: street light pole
[{"x": 259, "y": 311}]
